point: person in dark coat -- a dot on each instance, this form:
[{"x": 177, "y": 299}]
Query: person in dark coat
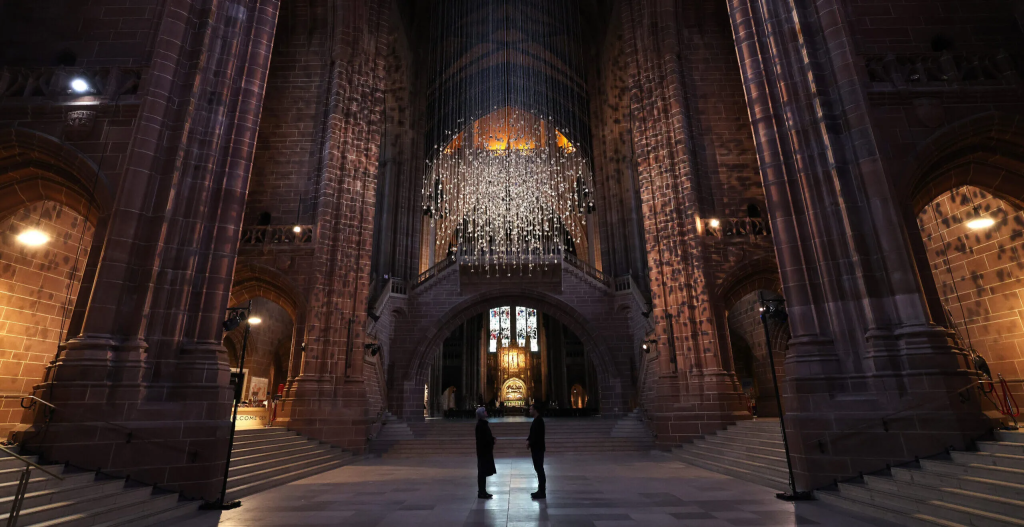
[
  {"x": 536, "y": 443},
  {"x": 484, "y": 454}
]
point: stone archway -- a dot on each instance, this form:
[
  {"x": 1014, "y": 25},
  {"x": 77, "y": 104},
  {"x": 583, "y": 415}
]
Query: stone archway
[{"x": 608, "y": 367}]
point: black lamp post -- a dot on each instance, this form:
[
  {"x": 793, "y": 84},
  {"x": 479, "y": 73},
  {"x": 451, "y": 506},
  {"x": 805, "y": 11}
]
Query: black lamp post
[
  {"x": 236, "y": 315},
  {"x": 773, "y": 308}
]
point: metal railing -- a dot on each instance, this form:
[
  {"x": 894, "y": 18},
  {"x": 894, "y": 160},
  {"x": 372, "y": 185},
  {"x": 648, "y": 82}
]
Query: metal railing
[
  {"x": 940, "y": 70},
  {"x": 23, "y": 482},
  {"x": 732, "y": 227},
  {"x": 435, "y": 270},
  {"x": 587, "y": 269},
  {"x": 267, "y": 236}
]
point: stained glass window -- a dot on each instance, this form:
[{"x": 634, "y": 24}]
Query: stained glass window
[
  {"x": 521, "y": 326},
  {"x": 495, "y": 329},
  {"x": 506, "y": 325},
  {"x": 531, "y": 329},
  {"x": 501, "y": 328}
]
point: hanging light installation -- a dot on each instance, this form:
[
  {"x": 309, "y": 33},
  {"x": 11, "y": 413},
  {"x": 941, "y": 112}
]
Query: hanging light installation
[{"x": 508, "y": 179}]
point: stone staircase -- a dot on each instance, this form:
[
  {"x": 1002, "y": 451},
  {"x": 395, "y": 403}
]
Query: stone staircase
[
  {"x": 269, "y": 457},
  {"x": 981, "y": 488},
  {"x": 439, "y": 437},
  {"x": 84, "y": 498},
  {"x": 748, "y": 450},
  {"x": 261, "y": 459}
]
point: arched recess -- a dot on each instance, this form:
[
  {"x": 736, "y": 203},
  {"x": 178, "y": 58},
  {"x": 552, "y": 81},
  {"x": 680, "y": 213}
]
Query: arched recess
[
  {"x": 613, "y": 385},
  {"x": 985, "y": 151},
  {"x": 742, "y": 331},
  {"x": 49, "y": 186},
  {"x": 758, "y": 274},
  {"x": 259, "y": 281},
  {"x": 36, "y": 167},
  {"x": 972, "y": 279}
]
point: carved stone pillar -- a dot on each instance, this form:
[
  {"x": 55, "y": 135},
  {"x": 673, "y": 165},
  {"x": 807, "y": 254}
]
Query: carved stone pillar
[
  {"x": 870, "y": 379},
  {"x": 328, "y": 400},
  {"x": 146, "y": 359},
  {"x": 693, "y": 395}
]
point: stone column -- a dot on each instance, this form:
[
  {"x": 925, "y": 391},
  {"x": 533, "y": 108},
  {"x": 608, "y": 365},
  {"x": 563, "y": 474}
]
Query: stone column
[
  {"x": 147, "y": 346},
  {"x": 870, "y": 379},
  {"x": 328, "y": 400},
  {"x": 693, "y": 395}
]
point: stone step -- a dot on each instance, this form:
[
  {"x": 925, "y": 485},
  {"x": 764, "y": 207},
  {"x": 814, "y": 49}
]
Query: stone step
[
  {"x": 1010, "y": 436},
  {"x": 771, "y": 470},
  {"x": 270, "y": 461},
  {"x": 958, "y": 514},
  {"x": 765, "y": 478},
  {"x": 75, "y": 510},
  {"x": 258, "y": 441},
  {"x": 41, "y": 481},
  {"x": 158, "y": 511},
  {"x": 68, "y": 491},
  {"x": 287, "y": 474},
  {"x": 262, "y": 431},
  {"x": 248, "y": 456},
  {"x": 764, "y": 443},
  {"x": 244, "y": 480},
  {"x": 985, "y": 458},
  {"x": 885, "y": 513},
  {"x": 1006, "y": 475},
  {"x": 1002, "y": 447},
  {"x": 740, "y": 434},
  {"x": 771, "y": 451},
  {"x": 129, "y": 513},
  {"x": 716, "y": 450},
  {"x": 964, "y": 498},
  {"x": 971, "y": 484},
  {"x": 299, "y": 442}
]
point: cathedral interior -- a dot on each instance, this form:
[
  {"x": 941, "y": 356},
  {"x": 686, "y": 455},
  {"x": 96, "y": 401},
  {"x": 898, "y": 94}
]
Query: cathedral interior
[{"x": 754, "y": 239}]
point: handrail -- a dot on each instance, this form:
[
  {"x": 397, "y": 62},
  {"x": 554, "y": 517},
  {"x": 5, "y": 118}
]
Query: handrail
[
  {"x": 33, "y": 397},
  {"x": 1008, "y": 403},
  {"x": 587, "y": 269},
  {"x": 883, "y": 419},
  {"x": 29, "y": 463}
]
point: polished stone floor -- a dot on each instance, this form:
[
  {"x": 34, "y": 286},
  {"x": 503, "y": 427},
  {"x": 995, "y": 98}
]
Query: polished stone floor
[{"x": 600, "y": 490}]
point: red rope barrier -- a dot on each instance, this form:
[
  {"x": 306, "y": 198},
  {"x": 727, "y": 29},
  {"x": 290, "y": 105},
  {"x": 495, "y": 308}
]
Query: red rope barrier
[{"x": 1007, "y": 403}]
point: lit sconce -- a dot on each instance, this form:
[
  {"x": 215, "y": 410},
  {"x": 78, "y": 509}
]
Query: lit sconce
[
  {"x": 714, "y": 223},
  {"x": 296, "y": 229},
  {"x": 33, "y": 238},
  {"x": 646, "y": 346},
  {"x": 253, "y": 320},
  {"x": 980, "y": 221},
  {"x": 80, "y": 85}
]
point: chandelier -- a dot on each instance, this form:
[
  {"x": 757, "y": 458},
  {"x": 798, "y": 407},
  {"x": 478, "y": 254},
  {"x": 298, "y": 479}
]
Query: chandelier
[{"x": 508, "y": 183}]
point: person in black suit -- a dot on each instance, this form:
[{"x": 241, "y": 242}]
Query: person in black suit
[
  {"x": 484, "y": 454},
  {"x": 537, "y": 447}
]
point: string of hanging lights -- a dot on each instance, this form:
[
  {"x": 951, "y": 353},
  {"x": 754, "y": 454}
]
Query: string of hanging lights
[{"x": 508, "y": 182}]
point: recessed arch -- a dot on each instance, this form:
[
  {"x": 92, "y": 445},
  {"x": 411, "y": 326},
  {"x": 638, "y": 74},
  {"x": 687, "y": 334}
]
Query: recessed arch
[
  {"x": 985, "y": 151},
  {"x": 39, "y": 167},
  {"x": 608, "y": 375}
]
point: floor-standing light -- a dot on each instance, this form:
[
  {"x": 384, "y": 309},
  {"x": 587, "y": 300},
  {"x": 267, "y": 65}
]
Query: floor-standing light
[
  {"x": 773, "y": 308},
  {"x": 236, "y": 315}
]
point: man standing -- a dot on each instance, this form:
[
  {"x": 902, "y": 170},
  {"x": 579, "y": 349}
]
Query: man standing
[
  {"x": 484, "y": 454},
  {"x": 536, "y": 444}
]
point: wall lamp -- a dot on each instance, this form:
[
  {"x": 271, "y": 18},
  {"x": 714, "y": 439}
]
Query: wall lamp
[
  {"x": 80, "y": 85},
  {"x": 33, "y": 237},
  {"x": 648, "y": 344}
]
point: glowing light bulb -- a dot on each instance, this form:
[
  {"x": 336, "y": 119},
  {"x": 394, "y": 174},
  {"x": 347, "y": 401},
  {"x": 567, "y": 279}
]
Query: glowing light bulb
[
  {"x": 33, "y": 237},
  {"x": 79, "y": 85},
  {"x": 715, "y": 223},
  {"x": 982, "y": 222},
  {"x": 253, "y": 320},
  {"x": 296, "y": 229}
]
